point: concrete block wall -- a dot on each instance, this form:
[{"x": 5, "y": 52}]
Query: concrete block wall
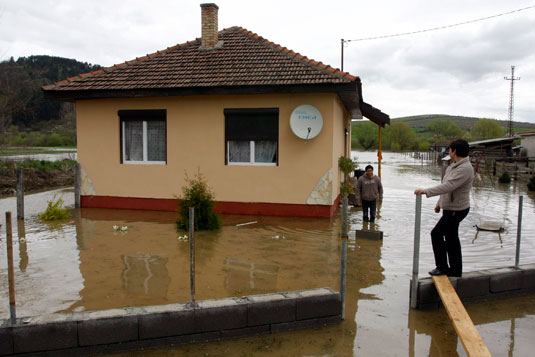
[
  {"x": 108, "y": 331},
  {"x": 481, "y": 285}
]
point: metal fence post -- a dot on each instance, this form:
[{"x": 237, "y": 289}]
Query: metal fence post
[
  {"x": 10, "y": 273},
  {"x": 20, "y": 193},
  {"x": 192, "y": 253},
  {"x": 416, "y": 251},
  {"x": 343, "y": 255},
  {"x": 519, "y": 230}
]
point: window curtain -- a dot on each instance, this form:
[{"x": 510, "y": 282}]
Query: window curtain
[
  {"x": 265, "y": 151},
  {"x": 156, "y": 141},
  {"x": 133, "y": 136},
  {"x": 239, "y": 151}
]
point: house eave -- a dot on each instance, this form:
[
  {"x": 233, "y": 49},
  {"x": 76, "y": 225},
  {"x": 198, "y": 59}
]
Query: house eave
[{"x": 348, "y": 92}]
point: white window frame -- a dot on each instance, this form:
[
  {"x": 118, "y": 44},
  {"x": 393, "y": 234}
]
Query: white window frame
[
  {"x": 145, "y": 147},
  {"x": 251, "y": 157}
]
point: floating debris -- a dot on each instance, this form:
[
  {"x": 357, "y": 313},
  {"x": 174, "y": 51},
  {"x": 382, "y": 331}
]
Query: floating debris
[
  {"x": 122, "y": 229},
  {"x": 246, "y": 224},
  {"x": 277, "y": 236},
  {"x": 183, "y": 238}
]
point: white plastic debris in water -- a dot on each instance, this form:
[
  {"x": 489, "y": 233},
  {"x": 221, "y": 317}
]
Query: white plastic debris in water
[
  {"x": 246, "y": 224},
  {"x": 184, "y": 237},
  {"x": 122, "y": 229}
]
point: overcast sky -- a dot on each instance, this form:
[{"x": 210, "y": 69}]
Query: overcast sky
[{"x": 458, "y": 70}]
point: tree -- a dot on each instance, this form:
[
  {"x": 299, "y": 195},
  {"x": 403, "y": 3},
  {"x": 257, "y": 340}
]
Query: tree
[
  {"x": 365, "y": 134},
  {"x": 399, "y": 136},
  {"x": 486, "y": 129},
  {"x": 443, "y": 129}
]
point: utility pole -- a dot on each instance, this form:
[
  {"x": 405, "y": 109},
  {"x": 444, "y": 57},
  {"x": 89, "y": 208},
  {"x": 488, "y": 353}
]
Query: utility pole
[
  {"x": 342, "y": 56},
  {"x": 511, "y": 99}
]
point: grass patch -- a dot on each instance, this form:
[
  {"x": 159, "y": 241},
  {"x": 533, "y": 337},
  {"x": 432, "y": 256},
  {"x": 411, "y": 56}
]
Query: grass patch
[{"x": 42, "y": 165}]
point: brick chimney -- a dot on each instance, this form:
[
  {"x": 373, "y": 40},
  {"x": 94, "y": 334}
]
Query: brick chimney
[{"x": 209, "y": 25}]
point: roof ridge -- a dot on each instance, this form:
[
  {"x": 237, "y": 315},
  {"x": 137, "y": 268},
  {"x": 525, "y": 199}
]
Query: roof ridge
[
  {"x": 294, "y": 54},
  {"x": 119, "y": 65}
]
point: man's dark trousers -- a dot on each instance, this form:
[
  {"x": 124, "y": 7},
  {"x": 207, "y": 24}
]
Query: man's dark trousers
[
  {"x": 446, "y": 244},
  {"x": 372, "y": 206}
]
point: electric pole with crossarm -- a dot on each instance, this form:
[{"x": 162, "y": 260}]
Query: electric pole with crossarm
[{"x": 511, "y": 99}]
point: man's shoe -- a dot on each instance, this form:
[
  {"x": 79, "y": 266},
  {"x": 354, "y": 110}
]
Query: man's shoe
[{"x": 437, "y": 271}]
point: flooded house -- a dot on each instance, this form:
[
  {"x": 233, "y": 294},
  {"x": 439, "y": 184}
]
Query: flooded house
[{"x": 263, "y": 124}]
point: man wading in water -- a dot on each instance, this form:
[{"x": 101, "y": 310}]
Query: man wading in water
[
  {"x": 368, "y": 190},
  {"x": 454, "y": 200}
]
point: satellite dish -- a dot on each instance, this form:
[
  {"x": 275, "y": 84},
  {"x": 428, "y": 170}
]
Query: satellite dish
[{"x": 306, "y": 121}]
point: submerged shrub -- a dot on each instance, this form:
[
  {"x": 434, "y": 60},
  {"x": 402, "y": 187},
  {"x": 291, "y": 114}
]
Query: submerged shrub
[
  {"x": 505, "y": 178},
  {"x": 55, "y": 210},
  {"x": 197, "y": 194}
]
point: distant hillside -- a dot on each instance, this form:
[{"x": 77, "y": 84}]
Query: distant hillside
[
  {"x": 21, "y": 100},
  {"x": 466, "y": 123}
]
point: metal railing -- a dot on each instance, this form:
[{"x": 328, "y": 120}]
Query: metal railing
[{"x": 416, "y": 250}]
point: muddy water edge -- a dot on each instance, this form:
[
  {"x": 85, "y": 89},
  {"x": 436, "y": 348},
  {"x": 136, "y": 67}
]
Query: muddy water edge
[{"x": 85, "y": 264}]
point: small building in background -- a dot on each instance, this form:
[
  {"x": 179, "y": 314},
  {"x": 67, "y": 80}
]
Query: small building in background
[
  {"x": 500, "y": 148},
  {"x": 527, "y": 143}
]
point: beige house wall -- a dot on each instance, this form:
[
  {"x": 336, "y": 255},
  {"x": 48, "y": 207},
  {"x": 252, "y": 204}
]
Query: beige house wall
[{"x": 196, "y": 140}]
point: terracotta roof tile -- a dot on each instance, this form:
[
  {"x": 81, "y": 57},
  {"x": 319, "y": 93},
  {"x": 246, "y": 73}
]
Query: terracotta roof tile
[{"x": 245, "y": 59}]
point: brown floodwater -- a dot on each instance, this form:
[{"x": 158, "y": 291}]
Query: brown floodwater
[{"x": 85, "y": 264}]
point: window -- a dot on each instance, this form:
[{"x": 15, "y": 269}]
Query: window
[
  {"x": 143, "y": 136},
  {"x": 252, "y": 136}
]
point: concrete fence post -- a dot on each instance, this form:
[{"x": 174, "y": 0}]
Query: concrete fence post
[
  {"x": 10, "y": 272},
  {"x": 519, "y": 230},
  {"x": 416, "y": 251},
  {"x": 77, "y": 181},
  {"x": 20, "y": 193},
  {"x": 192, "y": 253}
]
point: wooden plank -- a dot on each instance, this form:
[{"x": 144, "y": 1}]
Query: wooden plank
[{"x": 467, "y": 332}]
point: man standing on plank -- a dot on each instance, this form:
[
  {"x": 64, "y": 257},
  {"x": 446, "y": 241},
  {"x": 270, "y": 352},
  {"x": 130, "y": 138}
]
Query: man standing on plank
[{"x": 454, "y": 201}]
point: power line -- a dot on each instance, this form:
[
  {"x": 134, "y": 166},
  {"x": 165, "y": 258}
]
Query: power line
[{"x": 439, "y": 28}]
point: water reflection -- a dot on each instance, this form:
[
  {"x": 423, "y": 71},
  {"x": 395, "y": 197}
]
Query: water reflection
[
  {"x": 146, "y": 275},
  {"x": 23, "y": 249},
  {"x": 84, "y": 264}
]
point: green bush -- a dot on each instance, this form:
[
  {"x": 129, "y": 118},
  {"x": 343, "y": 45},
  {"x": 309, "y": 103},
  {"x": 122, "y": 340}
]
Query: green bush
[
  {"x": 197, "y": 194},
  {"x": 346, "y": 165},
  {"x": 505, "y": 178},
  {"x": 55, "y": 211}
]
